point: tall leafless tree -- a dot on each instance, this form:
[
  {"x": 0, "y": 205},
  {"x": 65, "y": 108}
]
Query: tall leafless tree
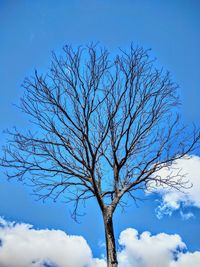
[{"x": 105, "y": 126}]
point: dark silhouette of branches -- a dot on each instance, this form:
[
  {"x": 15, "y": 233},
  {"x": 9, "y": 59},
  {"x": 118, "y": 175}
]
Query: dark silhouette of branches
[{"x": 106, "y": 126}]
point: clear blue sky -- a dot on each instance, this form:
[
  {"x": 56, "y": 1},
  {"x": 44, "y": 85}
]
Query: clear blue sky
[{"x": 30, "y": 30}]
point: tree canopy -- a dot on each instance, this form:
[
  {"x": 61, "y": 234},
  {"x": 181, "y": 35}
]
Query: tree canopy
[{"x": 106, "y": 125}]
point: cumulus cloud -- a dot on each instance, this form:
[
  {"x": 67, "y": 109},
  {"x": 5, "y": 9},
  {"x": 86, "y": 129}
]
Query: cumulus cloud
[
  {"x": 23, "y": 246},
  {"x": 188, "y": 259},
  {"x": 146, "y": 250},
  {"x": 172, "y": 199},
  {"x": 161, "y": 250}
]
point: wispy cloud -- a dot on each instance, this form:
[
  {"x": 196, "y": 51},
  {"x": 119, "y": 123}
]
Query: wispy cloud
[{"x": 172, "y": 199}]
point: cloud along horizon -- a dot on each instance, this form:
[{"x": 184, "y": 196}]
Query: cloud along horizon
[
  {"x": 174, "y": 200},
  {"x": 23, "y": 246}
]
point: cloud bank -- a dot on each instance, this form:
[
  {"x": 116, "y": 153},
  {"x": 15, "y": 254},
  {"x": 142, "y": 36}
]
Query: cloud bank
[
  {"x": 172, "y": 199},
  {"x": 23, "y": 246},
  {"x": 161, "y": 250}
]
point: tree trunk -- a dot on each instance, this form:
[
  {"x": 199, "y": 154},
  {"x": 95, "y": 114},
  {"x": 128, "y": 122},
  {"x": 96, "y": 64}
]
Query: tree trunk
[{"x": 110, "y": 239}]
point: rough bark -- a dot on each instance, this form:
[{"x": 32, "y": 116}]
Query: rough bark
[{"x": 110, "y": 239}]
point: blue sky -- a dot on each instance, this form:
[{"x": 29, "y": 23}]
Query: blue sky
[{"x": 30, "y": 30}]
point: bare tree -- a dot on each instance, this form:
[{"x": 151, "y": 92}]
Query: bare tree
[{"x": 105, "y": 126}]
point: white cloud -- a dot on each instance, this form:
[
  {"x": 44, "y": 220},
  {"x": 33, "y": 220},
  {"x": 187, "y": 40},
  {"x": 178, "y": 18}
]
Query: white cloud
[
  {"x": 146, "y": 250},
  {"x": 173, "y": 199},
  {"x": 161, "y": 250},
  {"x": 23, "y": 246},
  {"x": 188, "y": 259}
]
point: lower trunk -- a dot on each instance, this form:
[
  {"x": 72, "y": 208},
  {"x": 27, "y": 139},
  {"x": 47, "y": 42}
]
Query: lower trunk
[{"x": 110, "y": 240}]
